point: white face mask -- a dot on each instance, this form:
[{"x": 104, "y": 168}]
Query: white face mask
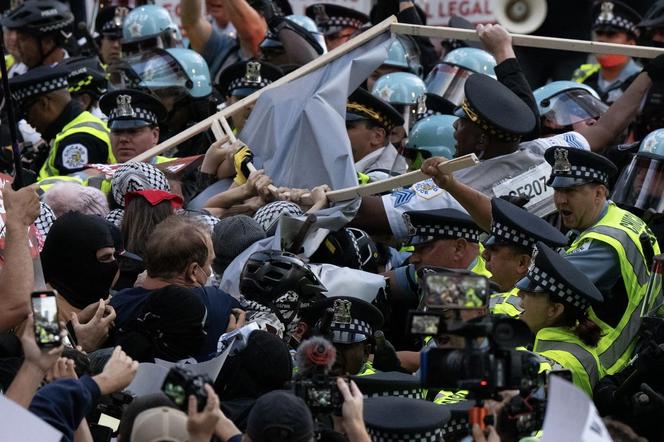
[{"x": 209, "y": 277}]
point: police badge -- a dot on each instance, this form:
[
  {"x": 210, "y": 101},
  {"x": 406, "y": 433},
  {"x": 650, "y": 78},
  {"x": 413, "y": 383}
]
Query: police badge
[
  {"x": 606, "y": 12},
  {"x": 421, "y": 104},
  {"x": 252, "y": 73},
  {"x": 561, "y": 162},
  {"x": 120, "y": 14},
  {"x": 123, "y": 106},
  {"x": 342, "y": 311},
  {"x": 531, "y": 266},
  {"x": 320, "y": 16}
]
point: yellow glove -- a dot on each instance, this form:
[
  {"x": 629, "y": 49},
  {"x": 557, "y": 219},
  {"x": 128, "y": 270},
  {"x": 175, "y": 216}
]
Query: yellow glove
[{"x": 241, "y": 158}]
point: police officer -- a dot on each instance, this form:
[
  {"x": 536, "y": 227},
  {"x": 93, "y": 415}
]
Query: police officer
[
  {"x": 431, "y": 136},
  {"x": 507, "y": 252},
  {"x": 42, "y": 28},
  {"x": 446, "y": 238},
  {"x": 566, "y": 105},
  {"x": 613, "y": 247},
  {"x": 133, "y": 117},
  {"x": 148, "y": 27},
  {"x": 109, "y": 27},
  {"x": 76, "y": 137},
  {"x": 243, "y": 79},
  {"x": 640, "y": 187},
  {"x": 337, "y": 23},
  {"x": 369, "y": 121},
  {"x": 556, "y": 298},
  {"x": 613, "y": 22},
  {"x": 87, "y": 81},
  {"x": 403, "y": 55},
  {"x": 351, "y": 329}
]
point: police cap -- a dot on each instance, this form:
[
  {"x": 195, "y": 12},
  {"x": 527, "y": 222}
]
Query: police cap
[
  {"x": 109, "y": 21},
  {"x": 615, "y": 16},
  {"x": 431, "y": 104},
  {"x": 515, "y": 226},
  {"x": 353, "y": 320},
  {"x": 551, "y": 273},
  {"x": 496, "y": 109},
  {"x": 429, "y": 225},
  {"x": 389, "y": 383},
  {"x": 244, "y": 78},
  {"x": 38, "y": 81},
  {"x": 398, "y": 419},
  {"x": 131, "y": 109},
  {"x": 574, "y": 167},
  {"x": 86, "y": 74},
  {"x": 361, "y": 105},
  {"x": 333, "y": 18}
]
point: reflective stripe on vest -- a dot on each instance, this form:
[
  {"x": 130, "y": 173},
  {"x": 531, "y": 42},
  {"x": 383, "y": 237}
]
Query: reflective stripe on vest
[
  {"x": 585, "y": 71},
  {"x": 585, "y": 357},
  {"x": 621, "y": 230},
  {"x": 506, "y": 303},
  {"x": 85, "y": 122}
]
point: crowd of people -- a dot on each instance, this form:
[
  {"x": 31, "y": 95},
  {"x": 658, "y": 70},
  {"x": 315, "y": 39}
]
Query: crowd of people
[{"x": 391, "y": 327}]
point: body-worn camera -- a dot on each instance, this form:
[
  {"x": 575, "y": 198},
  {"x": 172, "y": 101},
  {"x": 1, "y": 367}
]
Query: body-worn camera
[{"x": 180, "y": 383}]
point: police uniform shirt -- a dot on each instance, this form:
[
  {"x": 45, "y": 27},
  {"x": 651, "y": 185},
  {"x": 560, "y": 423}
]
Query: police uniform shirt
[
  {"x": 425, "y": 195},
  {"x": 598, "y": 261},
  {"x": 76, "y": 150}
]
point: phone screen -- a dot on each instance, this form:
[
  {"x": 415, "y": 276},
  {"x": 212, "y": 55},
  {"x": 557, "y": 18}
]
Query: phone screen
[
  {"x": 45, "y": 312},
  {"x": 451, "y": 290}
]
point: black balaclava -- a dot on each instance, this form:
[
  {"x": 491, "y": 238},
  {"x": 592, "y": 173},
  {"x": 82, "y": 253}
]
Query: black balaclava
[{"x": 69, "y": 258}]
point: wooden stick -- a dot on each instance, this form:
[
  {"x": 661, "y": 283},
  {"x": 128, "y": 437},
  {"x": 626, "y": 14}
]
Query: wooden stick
[
  {"x": 407, "y": 179},
  {"x": 532, "y": 41},
  {"x": 234, "y": 108}
]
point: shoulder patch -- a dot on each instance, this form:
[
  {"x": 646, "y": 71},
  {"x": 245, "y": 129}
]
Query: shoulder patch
[
  {"x": 75, "y": 156},
  {"x": 426, "y": 189}
]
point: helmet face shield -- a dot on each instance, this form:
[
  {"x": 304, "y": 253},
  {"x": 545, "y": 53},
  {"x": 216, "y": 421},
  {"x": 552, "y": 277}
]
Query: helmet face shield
[
  {"x": 447, "y": 81},
  {"x": 641, "y": 184},
  {"x": 572, "y": 106},
  {"x": 157, "y": 69}
]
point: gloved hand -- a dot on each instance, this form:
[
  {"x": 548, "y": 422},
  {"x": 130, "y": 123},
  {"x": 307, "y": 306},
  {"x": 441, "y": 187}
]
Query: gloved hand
[
  {"x": 648, "y": 400},
  {"x": 385, "y": 356},
  {"x": 241, "y": 159},
  {"x": 655, "y": 68}
]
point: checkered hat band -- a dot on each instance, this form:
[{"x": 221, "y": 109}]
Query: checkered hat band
[
  {"x": 427, "y": 113},
  {"x": 557, "y": 288},
  {"x": 139, "y": 114},
  {"x": 43, "y": 87},
  {"x": 242, "y": 83},
  {"x": 455, "y": 426},
  {"x": 617, "y": 22},
  {"x": 342, "y": 22},
  {"x": 584, "y": 172},
  {"x": 356, "y": 331},
  {"x": 436, "y": 230},
  {"x": 486, "y": 126},
  {"x": 423, "y": 436},
  {"x": 512, "y": 235},
  {"x": 414, "y": 393}
]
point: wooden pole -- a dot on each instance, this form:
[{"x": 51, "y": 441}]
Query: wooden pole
[
  {"x": 532, "y": 41},
  {"x": 229, "y": 111}
]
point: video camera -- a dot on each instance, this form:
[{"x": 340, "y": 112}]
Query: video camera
[
  {"x": 314, "y": 383},
  {"x": 450, "y": 300}
]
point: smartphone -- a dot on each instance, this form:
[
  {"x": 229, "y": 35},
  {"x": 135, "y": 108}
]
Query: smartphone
[
  {"x": 454, "y": 290},
  {"x": 45, "y": 313}
]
